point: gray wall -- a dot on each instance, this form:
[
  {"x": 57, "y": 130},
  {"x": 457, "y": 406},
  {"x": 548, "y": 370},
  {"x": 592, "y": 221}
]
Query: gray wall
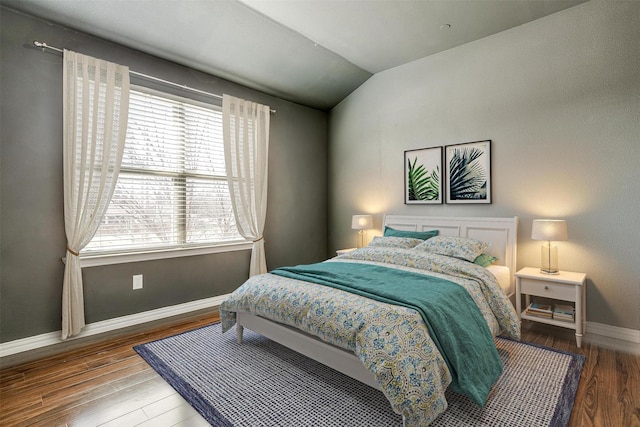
[
  {"x": 560, "y": 99},
  {"x": 31, "y": 217}
]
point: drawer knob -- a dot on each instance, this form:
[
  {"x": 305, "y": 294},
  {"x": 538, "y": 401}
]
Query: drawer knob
[{"x": 546, "y": 288}]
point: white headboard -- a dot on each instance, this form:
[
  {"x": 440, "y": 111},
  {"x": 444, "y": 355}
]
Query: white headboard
[{"x": 501, "y": 233}]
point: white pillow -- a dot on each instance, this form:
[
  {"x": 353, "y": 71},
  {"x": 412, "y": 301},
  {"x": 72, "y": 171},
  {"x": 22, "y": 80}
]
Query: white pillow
[{"x": 503, "y": 275}]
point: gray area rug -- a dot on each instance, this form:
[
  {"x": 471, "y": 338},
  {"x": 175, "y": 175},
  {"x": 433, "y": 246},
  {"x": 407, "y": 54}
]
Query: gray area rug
[{"x": 262, "y": 383}]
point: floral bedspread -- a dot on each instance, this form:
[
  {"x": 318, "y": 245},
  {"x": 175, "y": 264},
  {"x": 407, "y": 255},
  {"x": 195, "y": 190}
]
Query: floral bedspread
[{"x": 392, "y": 341}]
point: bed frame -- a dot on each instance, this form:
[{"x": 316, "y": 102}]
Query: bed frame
[{"x": 501, "y": 233}]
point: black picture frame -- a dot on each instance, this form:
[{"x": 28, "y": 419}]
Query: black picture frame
[
  {"x": 423, "y": 176},
  {"x": 468, "y": 172}
]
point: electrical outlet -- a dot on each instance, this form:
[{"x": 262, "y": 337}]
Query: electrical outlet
[{"x": 137, "y": 281}]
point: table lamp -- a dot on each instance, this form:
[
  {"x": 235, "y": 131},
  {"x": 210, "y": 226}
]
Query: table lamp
[
  {"x": 362, "y": 223},
  {"x": 550, "y": 230}
]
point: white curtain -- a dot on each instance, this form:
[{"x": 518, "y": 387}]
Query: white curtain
[
  {"x": 95, "y": 111},
  {"x": 245, "y": 127}
]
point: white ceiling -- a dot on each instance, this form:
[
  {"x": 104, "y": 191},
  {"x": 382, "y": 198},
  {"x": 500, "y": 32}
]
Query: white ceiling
[{"x": 313, "y": 52}]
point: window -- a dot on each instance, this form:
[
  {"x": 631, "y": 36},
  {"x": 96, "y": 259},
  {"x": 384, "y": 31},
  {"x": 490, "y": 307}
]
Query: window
[{"x": 172, "y": 189}]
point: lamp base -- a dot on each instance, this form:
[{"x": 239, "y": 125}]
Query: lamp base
[{"x": 549, "y": 259}]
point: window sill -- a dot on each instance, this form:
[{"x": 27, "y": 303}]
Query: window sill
[{"x": 122, "y": 258}]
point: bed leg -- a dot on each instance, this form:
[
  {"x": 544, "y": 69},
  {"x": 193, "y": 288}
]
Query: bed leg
[{"x": 239, "y": 331}]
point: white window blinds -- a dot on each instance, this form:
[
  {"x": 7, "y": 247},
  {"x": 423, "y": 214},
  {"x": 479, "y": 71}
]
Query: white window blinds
[{"x": 172, "y": 190}]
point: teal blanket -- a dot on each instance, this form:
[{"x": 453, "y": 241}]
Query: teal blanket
[{"x": 455, "y": 323}]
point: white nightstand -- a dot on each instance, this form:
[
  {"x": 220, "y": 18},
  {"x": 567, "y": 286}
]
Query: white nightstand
[
  {"x": 565, "y": 286},
  {"x": 344, "y": 251}
]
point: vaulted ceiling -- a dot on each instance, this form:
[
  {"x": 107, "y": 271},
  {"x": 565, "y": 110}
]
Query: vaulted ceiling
[{"x": 313, "y": 52}]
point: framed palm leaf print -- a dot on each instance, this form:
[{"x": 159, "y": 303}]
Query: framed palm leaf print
[
  {"x": 423, "y": 176},
  {"x": 468, "y": 174}
]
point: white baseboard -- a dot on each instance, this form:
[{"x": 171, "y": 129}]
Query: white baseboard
[
  {"x": 622, "y": 339},
  {"x": 43, "y": 340},
  {"x": 616, "y": 332}
]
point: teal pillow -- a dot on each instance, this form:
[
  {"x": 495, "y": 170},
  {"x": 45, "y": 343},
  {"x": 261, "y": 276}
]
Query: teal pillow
[
  {"x": 423, "y": 235},
  {"x": 485, "y": 260}
]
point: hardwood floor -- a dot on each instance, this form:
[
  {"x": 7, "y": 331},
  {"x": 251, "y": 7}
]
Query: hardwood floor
[
  {"x": 609, "y": 390},
  {"x": 108, "y": 384},
  {"x": 101, "y": 384}
]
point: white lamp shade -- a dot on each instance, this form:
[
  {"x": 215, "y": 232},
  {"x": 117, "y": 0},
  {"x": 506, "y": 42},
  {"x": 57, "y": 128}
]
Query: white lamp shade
[
  {"x": 549, "y": 229},
  {"x": 362, "y": 222}
]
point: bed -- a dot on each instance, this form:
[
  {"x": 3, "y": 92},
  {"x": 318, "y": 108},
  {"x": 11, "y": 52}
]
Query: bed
[{"x": 398, "y": 346}]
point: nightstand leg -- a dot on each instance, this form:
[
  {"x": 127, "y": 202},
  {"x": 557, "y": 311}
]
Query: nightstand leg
[
  {"x": 518, "y": 298},
  {"x": 579, "y": 302}
]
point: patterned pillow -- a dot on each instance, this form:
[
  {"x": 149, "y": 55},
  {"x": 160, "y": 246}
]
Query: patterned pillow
[
  {"x": 423, "y": 235},
  {"x": 458, "y": 247},
  {"x": 485, "y": 260},
  {"x": 395, "y": 242}
]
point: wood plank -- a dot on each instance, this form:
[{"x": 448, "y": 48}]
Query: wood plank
[
  {"x": 11, "y": 378},
  {"x": 171, "y": 417},
  {"x": 158, "y": 408},
  {"x": 81, "y": 376},
  {"x": 82, "y": 384},
  {"x": 130, "y": 419},
  {"x": 627, "y": 389},
  {"x": 589, "y": 391},
  {"x": 70, "y": 382},
  {"x": 43, "y": 379},
  {"x": 99, "y": 392},
  {"x": 195, "y": 421},
  {"x": 9, "y": 414},
  {"x": 118, "y": 404},
  {"x": 606, "y": 413}
]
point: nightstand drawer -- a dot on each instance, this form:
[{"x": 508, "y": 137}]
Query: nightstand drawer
[{"x": 548, "y": 289}]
